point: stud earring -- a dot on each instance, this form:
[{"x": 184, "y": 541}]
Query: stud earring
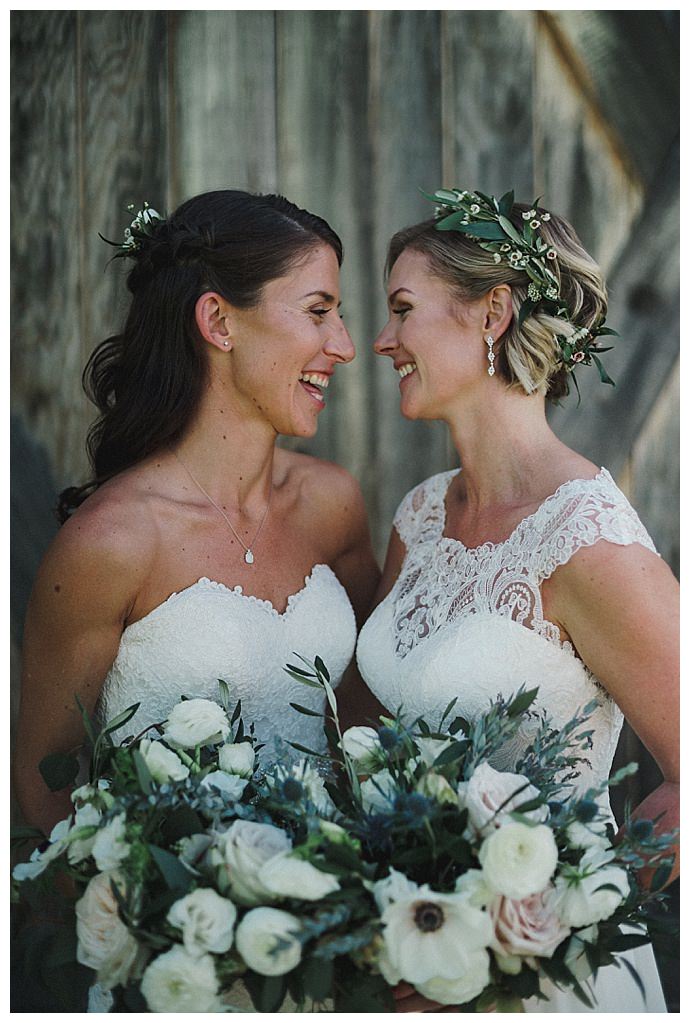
[
  {"x": 490, "y": 343},
  {"x": 225, "y": 344}
]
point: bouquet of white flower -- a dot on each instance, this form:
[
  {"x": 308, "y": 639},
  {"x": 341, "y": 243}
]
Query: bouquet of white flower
[{"x": 196, "y": 872}]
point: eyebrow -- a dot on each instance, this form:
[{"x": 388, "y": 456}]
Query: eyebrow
[{"x": 397, "y": 292}]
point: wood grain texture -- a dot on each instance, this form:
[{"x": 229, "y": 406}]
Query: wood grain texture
[{"x": 223, "y": 78}]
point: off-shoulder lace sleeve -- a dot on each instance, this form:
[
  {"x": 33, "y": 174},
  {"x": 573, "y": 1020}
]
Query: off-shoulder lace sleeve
[
  {"x": 590, "y": 510},
  {"x": 421, "y": 513}
]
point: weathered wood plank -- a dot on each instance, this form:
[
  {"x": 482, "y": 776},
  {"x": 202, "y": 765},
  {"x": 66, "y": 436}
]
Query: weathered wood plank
[
  {"x": 324, "y": 164},
  {"x": 224, "y": 87},
  {"x": 45, "y": 235},
  {"x": 488, "y": 102}
]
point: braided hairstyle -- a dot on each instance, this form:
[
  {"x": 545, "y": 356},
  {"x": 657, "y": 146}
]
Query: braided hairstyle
[
  {"x": 147, "y": 381},
  {"x": 529, "y": 356}
]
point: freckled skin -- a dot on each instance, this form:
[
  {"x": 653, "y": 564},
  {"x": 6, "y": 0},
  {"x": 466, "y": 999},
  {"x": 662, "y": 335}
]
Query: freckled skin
[{"x": 57, "y": 587}]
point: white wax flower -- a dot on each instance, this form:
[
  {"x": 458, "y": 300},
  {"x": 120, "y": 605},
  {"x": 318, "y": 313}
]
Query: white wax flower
[
  {"x": 237, "y": 758},
  {"x": 206, "y": 919},
  {"x": 362, "y": 744},
  {"x": 87, "y": 816},
  {"x": 196, "y": 723},
  {"x": 110, "y": 846},
  {"x": 103, "y": 941},
  {"x": 519, "y": 859},
  {"x": 241, "y": 852},
  {"x": 489, "y": 797},
  {"x": 163, "y": 764},
  {"x": 378, "y": 792},
  {"x": 582, "y": 897},
  {"x": 288, "y": 876},
  {"x": 177, "y": 982},
  {"x": 529, "y": 926},
  {"x": 430, "y": 935},
  {"x": 266, "y": 940}
]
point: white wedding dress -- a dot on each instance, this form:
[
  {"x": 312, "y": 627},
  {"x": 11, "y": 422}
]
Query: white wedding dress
[
  {"x": 468, "y": 623},
  {"x": 209, "y": 631}
]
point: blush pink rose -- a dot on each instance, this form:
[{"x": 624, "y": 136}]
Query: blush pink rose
[{"x": 527, "y": 927}]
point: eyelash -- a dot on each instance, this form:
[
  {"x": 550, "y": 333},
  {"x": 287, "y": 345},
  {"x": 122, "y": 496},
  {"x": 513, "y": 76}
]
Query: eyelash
[
  {"x": 319, "y": 312},
  {"x": 401, "y": 311}
]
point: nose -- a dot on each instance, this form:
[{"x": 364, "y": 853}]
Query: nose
[
  {"x": 339, "y": 346},
  {"x": 386, "y": 342}
]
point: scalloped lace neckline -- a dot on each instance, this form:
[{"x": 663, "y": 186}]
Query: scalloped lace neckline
[
  {"x": 205, "y": 583},
  {"x": 491, "y": 545}
]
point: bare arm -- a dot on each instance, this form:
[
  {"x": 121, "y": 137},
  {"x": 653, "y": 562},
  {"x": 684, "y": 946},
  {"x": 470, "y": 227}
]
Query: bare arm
[
  {"x": 80, "y": 601},
  {"x": 619, "y": 605}
]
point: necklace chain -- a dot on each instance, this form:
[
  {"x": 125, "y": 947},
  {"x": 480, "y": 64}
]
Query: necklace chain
[{"x": 248, "y": 551}]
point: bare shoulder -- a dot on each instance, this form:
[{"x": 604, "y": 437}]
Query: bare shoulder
[{"x": 328, "y": 486}]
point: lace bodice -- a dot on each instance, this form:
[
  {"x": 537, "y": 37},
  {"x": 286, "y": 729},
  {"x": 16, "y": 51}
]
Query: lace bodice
[
  {"x": 210, "y": 631},
  {"x": 469, "y": 623}
]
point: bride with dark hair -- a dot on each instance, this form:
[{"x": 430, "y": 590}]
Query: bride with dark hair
[{"x": 200, "y": 550}]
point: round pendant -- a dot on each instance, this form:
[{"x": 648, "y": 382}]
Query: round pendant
[{"x": 249, "y": 557}]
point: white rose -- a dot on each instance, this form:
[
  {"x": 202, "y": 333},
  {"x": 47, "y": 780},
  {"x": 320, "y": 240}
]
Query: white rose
[
  {"x": 81, "y": 844},
  {"x": 196, "y": 723},
  {"x": 229, "y": 785},
  {"x": 527, "y": 927},
  {"x": 462, "y": 989},
  {"x": 111, "y": 847},
  {"x": 582, "y": 899},
  {"x": 103, "y": 941},
  {"x": 378, "y": 792},
  {"x": 430, "y": 748},
  {"x": 291, "y": 877},
  {"x": 575, "y": 956},
  {"x": 164, "y": 765},
  {"x": 38, "y": 861},
  {"x": 241, "y": 853},
  {"x": 429, "y": 935},
  {"x": 490, "y": 796},
  {"x": 361, "y": 743},
  {"x": 266, "y": 940},
  {"x": 435, "y": 786},
  {"x": 237, "y": 758},
  {"x": 206, "y": 920},
  {"x": 177, "y": 982},
  {"x": 519, "y": 859}
]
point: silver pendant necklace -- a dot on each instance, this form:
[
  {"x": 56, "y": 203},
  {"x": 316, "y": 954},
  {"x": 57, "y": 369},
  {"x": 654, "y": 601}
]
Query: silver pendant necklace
[{"x": 248, "y": 552}]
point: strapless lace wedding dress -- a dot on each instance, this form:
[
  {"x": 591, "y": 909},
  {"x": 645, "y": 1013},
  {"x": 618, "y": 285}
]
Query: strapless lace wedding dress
[{"x": 469, "y": 623}]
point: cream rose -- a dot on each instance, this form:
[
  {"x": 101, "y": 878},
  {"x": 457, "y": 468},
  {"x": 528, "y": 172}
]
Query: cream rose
[
  {"x": 178, "y": 982},
  {"x": 290, "y": 877},
  {"x": 196, "y": 723},
  {"x": 206, "y": 920},
  {"x": 266, "y": 940},
  {"x": 103, "y": 941},
  {"x": 490, "y": 796},
  {"x": 240, "y": 854},
  {"x": 163, "y": 764},
  {"x": 519, "y": 859},
  {"x": 237, "y": 758},
  {"x": 527, "y": 927}
]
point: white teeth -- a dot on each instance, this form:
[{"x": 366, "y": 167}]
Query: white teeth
[
  {"x": 408, "y": 368},
  {"x": 318, "y": 379}
]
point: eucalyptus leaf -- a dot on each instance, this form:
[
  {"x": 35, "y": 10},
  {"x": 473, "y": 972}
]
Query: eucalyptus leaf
[
  {"x": 506, "y": 203},
  {"x": 603, "y": 375},
  {"x": 59, "y": 770},
  {"x": 510, "y": 230},
  {"x": 521, "y": 702},
  {"x": 321, "y": 667},
  {"x": 175, "y": 875},
  {"x": 305, "y": 710}
]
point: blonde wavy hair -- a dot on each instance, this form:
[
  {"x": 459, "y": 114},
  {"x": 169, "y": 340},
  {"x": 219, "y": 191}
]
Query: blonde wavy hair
[{"x": 529, "y": 356}]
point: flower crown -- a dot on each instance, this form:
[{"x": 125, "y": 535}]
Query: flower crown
[
  {"x": 141, "y": 227},
  {"x": 487, "y": 221}
]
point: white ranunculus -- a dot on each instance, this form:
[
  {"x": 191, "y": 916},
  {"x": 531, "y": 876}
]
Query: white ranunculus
[
  {"x": 527, "y": 927},
  {"x": 40, "y": 860},
  {"x": 103, "y": 941},
  {"x": 474, "y": 979},
  {"x": 229, "y": 785},
  {"x": 575, "y": 957},
  {"x": 490, "y": 796},
  {"x": 378, "y": 792},
  {"x": 429, "y": 748},
  {"x": 196, "y": 723},
  {"x": 362, "y": 744},
  {"x": 519, "y": 859},
  {"x": 591, "y": 891},
  {"x": 289, "y": 876},
  {"x": 206, "y": 919},
  {"x": 164, "y": 764},
  {"x": 81, "y": 843},
  {"x": 241, "y": 852},
  {"x": 435, "y": 786},
  {"x": 237, "y": 758},
  {"x": 178, "y": 982},
  {"x": 267, "y": 940},
  {"x": 393, "y": 888},
  {"x": 111, "y": 847},
  {"x": 430, "y": 935}
]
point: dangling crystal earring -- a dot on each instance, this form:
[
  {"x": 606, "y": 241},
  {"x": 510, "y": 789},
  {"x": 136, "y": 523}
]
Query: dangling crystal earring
[{"x": 490, "y": 343}]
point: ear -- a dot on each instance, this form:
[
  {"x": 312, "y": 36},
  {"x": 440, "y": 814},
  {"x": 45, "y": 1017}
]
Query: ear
[
  {"x": 500, "y": 310},
  {"x": 212, "y": 316}
]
